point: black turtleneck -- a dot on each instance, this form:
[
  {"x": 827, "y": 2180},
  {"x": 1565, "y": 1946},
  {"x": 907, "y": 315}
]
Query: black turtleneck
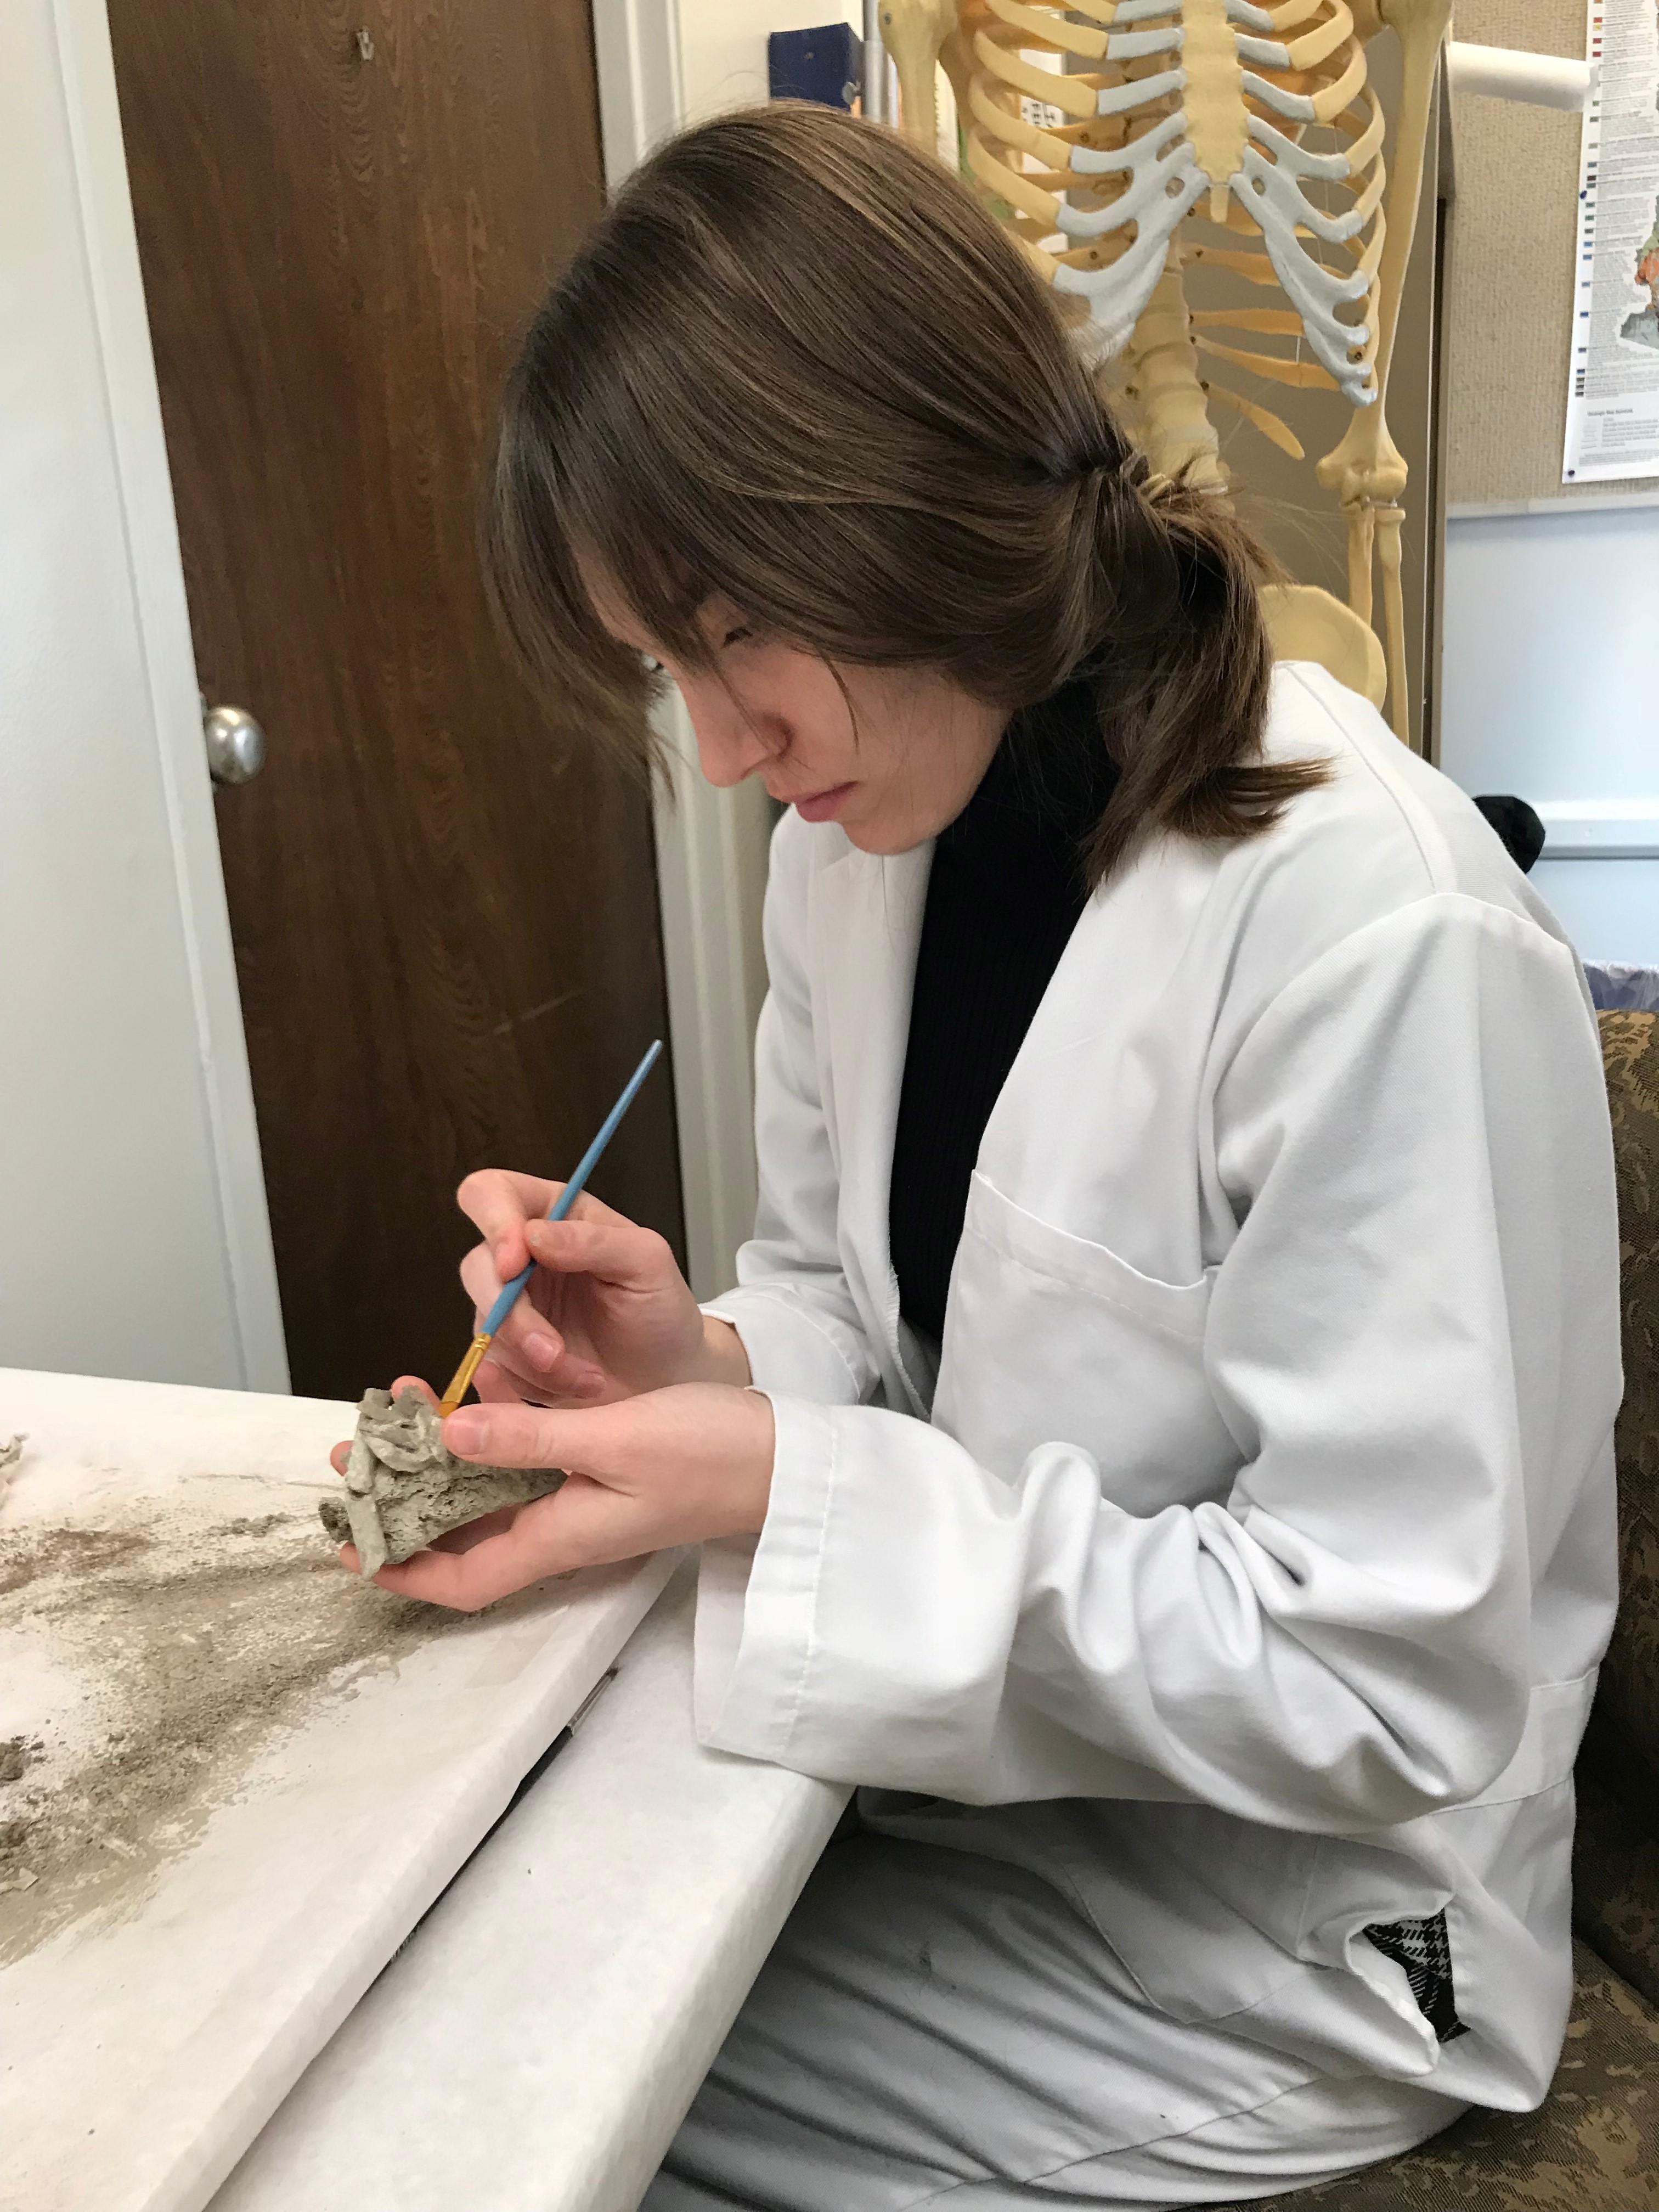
[{"x": 1006, "y": 892}]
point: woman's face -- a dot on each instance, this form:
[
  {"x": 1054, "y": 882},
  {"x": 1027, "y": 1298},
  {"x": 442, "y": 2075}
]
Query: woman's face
[{"x": 891, "y": 754}]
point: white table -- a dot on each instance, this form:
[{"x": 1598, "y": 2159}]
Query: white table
[
  {"x": 538, "y": 2036},
  {"x": 533, "y": 2047}
]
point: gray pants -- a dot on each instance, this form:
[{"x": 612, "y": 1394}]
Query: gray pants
[{"x": 933, "y": 2024}]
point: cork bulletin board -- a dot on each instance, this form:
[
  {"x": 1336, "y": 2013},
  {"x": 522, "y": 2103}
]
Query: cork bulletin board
[{"x": 1507, "y": 298}]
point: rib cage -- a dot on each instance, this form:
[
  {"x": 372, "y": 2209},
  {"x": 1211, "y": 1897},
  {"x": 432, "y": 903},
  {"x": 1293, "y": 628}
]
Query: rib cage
[
  {"x": 1263, "y": 114},
  {"x": 1167, "y": 118}
]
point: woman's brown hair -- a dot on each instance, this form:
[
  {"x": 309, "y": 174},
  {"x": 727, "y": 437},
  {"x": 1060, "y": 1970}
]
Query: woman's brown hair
[{"x": 797, "y": 364}]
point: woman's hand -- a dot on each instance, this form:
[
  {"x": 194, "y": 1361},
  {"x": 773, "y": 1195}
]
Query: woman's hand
[
  {"x": 668, "y": 1466},
  {"x": 607, "y": 1312}
]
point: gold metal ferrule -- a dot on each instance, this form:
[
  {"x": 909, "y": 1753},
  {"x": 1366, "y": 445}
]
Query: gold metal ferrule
[{"x": 463, "y": 1375}]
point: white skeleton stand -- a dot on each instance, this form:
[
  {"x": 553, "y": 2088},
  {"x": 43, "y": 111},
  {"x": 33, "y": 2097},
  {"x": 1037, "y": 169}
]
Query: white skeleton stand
[{"x": 1182, "y": 118}]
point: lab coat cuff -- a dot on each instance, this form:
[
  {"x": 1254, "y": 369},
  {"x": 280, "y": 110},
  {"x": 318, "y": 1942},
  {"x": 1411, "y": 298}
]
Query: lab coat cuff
[
  {"x": 792, "y": 1349},
  {"x": 757, "y": 1597}
]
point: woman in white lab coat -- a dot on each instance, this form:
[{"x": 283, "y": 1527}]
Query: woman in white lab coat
[{"x": 1159, "y": 1445}]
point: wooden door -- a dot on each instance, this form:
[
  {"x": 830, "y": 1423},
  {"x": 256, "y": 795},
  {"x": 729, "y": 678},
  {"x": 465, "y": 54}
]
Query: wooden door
[{"x": 445, "y": 910}]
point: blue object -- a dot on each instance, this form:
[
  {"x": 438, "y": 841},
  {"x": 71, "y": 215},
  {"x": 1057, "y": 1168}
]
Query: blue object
[
  {"x": 572, "y": 1190},
  {"x": 826, "y": 64}
]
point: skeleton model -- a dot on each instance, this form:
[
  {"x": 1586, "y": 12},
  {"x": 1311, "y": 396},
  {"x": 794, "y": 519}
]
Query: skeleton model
[{"x": 1178, "y": 132}]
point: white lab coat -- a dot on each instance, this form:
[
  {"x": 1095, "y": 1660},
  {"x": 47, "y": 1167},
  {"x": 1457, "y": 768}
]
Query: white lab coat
[{"x": 1245, "y": 1569}]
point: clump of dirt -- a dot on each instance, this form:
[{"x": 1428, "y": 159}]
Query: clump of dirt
[
  {"x": 16, "y": 1754},
  {"x": 199, "y": 1642}
]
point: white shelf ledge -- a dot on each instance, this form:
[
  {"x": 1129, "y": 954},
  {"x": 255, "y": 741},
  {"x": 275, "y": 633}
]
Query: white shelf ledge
[{"x": 1600, "y": 829}]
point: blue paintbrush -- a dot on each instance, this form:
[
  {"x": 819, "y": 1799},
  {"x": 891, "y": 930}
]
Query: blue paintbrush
[{"x": 562, "y": 1204}]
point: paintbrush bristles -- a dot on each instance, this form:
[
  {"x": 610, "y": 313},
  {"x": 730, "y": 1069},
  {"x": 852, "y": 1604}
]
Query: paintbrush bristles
[{"x": 463, "y": 1375}]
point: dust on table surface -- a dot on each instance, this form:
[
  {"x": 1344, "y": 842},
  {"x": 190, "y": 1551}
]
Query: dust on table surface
[{"x": 197, "y": 1639}]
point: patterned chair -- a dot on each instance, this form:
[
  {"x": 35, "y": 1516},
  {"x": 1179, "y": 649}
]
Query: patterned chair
[{"x": 1592, "y": 2146}]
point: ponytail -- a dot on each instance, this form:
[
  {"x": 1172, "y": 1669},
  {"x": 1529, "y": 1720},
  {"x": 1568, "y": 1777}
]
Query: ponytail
[{"x": 1181, "y": 659}]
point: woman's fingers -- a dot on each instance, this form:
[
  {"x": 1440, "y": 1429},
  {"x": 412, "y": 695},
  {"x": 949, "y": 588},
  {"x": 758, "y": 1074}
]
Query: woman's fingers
[
  {"x": 527, "y": 1343},
  {"x": 601, "y": 1244},
  {"x": 503, "y": 1433},
  {"x": 542, "y": 1365},
  {"x": 502, "y": 1203},
  {"x": 498, "y": 1381},
  {"x": 617, "y": 1251},
  {"x": 670, "y": 1467},
  {"x": 497, "y": 1385},
  {"x": 479, "y": 1280},
  {"x": 583, "y": 1524},
  {"x": 607, "y": 1309},
  {"x": 475, "y": 1531},
  {"x": 700, "y": 1451}
]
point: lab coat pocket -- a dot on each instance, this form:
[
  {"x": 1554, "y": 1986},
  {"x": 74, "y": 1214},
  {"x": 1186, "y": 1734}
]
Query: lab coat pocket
[
  {"x": 1201, "y": 1909},
  {"x": 1052, "y": 1339}
]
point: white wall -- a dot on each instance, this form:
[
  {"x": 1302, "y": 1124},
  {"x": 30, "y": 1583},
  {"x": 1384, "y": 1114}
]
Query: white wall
[
  {"x": 1550, "y": 690},
  {"x": 723, "y": 45},
  {"x": 133, "y": 1239}
]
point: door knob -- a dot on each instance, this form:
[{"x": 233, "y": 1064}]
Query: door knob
[{"x": 236, "y": 744}]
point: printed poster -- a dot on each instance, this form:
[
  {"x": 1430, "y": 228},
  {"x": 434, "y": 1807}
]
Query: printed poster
[{"x": 1612, "y": 390}]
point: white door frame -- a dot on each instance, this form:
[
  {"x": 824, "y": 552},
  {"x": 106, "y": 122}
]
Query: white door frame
[
  {"x": 711, "y": 845},
  {"x": 80, "y": 30}
]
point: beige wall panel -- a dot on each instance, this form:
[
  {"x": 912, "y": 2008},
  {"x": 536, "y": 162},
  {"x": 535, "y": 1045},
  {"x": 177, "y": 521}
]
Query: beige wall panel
[{"x": 1510, "y": 282}]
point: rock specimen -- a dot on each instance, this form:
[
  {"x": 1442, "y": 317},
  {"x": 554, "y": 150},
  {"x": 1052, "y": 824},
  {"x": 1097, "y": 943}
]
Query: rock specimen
[
  {"x": 403, "y": 1487},
  {"x": 11, "y": 1452}
]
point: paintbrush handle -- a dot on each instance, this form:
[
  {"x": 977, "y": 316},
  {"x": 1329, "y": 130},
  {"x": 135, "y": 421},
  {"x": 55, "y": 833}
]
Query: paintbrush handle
[{"x": 567, "y": 1198}]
